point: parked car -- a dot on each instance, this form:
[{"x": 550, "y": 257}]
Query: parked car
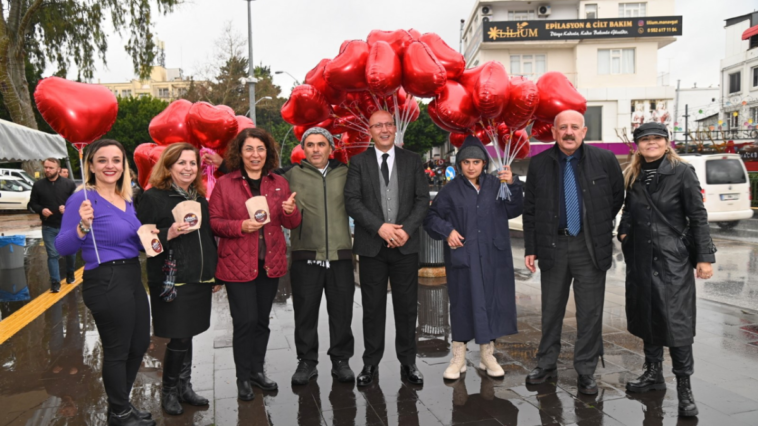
[
  {"x": 725, "y": 187},
  {"x": 21, "y": 174},
  {"x": 14, "y": 193}
]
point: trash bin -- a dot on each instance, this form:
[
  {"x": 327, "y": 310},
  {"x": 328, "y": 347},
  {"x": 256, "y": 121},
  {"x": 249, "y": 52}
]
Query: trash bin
[
  {"x": 432, "y": 251},
  {"x": 12, "y": 251}
]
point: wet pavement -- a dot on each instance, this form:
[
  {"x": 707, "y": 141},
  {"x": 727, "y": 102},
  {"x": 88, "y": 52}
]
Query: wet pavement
[{"x": 50, "y": 370}]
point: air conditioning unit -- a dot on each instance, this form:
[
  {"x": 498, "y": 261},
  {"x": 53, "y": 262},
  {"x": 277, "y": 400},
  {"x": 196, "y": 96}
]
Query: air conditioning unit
[
  {"x": 543, "y": 10},
  {"x": 486, "y": 11},
  {"x": 486, "y": 19}
]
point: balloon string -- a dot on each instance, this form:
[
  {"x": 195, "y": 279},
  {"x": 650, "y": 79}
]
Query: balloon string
[
  {"x": 84, "y": 185},
  {"x": 208, "y": 170},
  {"x": 503, "y": 193}
]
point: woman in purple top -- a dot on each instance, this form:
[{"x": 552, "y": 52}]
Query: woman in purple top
[{"x": 113, "y": 289}]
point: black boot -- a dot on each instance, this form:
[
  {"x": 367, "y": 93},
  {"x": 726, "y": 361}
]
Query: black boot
[
  {"x": 651, "y": 379},
  {"x": 128, "y": 418},
  {"x": 172, "y": 366},
  {"x": 687, "y": 407},
  {"x": 186, "y": 394}
]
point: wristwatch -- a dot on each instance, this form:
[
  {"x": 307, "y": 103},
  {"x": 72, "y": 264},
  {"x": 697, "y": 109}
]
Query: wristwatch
[{"x": 83, "y": 228}]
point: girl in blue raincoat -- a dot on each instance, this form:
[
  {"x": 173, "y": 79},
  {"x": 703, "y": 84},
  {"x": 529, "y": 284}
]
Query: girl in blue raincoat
[{"x": 478, "y": 260}]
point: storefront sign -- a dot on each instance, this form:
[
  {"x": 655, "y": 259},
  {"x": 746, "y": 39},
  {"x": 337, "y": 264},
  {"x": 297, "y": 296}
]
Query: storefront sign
[{"x": 577, "y": 29}]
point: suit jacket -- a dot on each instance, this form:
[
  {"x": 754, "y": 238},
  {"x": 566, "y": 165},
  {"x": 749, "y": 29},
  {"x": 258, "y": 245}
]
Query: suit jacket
[{"x": 364, "y": 205}]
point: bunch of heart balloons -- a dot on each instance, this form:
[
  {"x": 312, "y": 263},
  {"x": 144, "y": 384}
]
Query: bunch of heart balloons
[
  {"x": 391, "y": 69},
  {"x": 207, "y": 127}
]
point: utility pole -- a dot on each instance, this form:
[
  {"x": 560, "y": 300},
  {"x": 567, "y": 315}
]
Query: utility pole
[
  {"x": 460, "y": 38},
  {"x": 686, "y": 131},
  {"x": 676, "y": 107},
  {"x": 251, "y": 68}
]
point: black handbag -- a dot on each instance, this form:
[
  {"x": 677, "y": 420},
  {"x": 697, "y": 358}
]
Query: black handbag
[{"x": 685, "y": 236}]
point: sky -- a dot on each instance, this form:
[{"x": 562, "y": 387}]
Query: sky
[{"x": 294, "y": 35}]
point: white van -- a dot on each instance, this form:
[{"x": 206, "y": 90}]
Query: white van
[{"x": 725, "y": 187}]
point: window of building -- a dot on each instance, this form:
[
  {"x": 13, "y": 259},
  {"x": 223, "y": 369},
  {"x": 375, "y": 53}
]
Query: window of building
[
  {"x": 615, "y": 61},
  {"x": 755, "y": 77},
  {"x": 593, "y": 119},
  {"x": 591, "y": 10},
  {"x": 734, "y": 82},
  {"x": 529, "y": 66},
  {"x": 163, "y": 93},
  {"x": 630, "y": 10},
  {"x": 126, "y": 93},
  {"x": 520, "y": 15},
  {"x": 754, "y": 114}
]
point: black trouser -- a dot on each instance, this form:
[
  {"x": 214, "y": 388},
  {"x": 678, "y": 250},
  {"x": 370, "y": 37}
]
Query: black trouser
[
  {"x": 114, "y": 294},
  {"x": 572, "y": 263},
  {"x": 308, "y": 283},
  {"x": 681, "y": 357},
  {"x": 402, "y": 272},
  {"x": 250, "y": 305}
]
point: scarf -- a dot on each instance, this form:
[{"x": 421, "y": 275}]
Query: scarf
[{"x": 191, "y": 194}]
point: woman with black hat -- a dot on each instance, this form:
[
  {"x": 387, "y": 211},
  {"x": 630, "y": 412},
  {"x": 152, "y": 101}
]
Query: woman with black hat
[
  {"x": 663, "y": 203},
  {"x": 478, "y": 259}
]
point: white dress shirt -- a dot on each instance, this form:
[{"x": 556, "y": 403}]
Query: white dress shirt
[{"x": 390, "y": 159}]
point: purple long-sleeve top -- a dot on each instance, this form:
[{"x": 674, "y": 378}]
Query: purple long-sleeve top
[{"x": 115, "y": 231}]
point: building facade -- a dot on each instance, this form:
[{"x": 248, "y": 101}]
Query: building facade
[
  {"x": 165, "y": 83},
  {"x": 607, "y": 49},
  {"x": 739, "y": 75}
]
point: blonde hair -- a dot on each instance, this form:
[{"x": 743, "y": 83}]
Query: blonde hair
[
  {"x": 632, "y": 171},
  {"x": 160, "y": 177},
  {"x": 124, "y": 183}
]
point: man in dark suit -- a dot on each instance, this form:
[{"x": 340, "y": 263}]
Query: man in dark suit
[
  {"x": 387, "y": 195},
  {"x": 573, "y": 193}
]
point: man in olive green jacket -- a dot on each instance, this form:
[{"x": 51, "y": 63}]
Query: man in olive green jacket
[{"x": 321, "y": 250}]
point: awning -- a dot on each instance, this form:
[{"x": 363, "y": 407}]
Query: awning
[
  {"x": 20, "y": 143},
  {"x": 750, "y": 32}
]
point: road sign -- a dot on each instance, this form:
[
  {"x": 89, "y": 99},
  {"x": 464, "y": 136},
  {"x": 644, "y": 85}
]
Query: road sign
[{"x": 449, "y": 173}]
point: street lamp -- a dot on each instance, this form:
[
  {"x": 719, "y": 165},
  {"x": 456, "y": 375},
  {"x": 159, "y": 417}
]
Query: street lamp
[
  {"x": 285, "y": 72},
  {"x": 265, "y": 98},
  {"x": 250, "y": 71},
  {"x": 281, "y": 148}
]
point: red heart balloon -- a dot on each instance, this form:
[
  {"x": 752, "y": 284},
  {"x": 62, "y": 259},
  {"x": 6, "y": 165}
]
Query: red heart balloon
[
  {"x": 79, "y": 112},
  {"x": 432, "y": 110},
  {"x": 522, "y": 102},
  {"x": 415, "y": 34},
  {"x": 409, "y": 110},
  {"x": 455, "y": 108},
  {"x": 340, "y": 155},
  {"x": 348, "y": 70},
  {"x": 243, "y": 123},
  {"x": 349, "y": 123},
  {"x": 211, "y": 127},
  {"x": 170, "y": 125},
  {"x": 449, "y": 58},
  {"x": 306, "y": 106},
  {"x": 384, "y": 73},
  {"x": 491, "y": 90},
  {"x": 355, "y": 139},
  {"x": 398, "y": 39},
  {"x": 315, "y": 78},
  {"x": 520, "y": 146},
  {"x": 154, "y": 155},
  {"x": 143, "y": 162},
  {"x": 457, "y": 139},
  {"x": 297, "y": 154},
  {"x": 557, "y": 94},
  {"x": 298, "y": 132},
  {"x": 542, "y": 131},
  {"x": 423, "y": 75},
  {"x": 227, "y": 109}
]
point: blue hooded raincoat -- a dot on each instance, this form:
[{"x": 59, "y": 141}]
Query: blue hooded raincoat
[{"x": 480, "y": 281}]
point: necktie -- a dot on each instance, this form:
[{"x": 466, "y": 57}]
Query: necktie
[
  {"x": 573, "y": 221},
  {"x": 385, "y": 169}
]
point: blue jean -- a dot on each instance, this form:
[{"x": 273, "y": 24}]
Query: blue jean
[{"x": 48, "y": 236}]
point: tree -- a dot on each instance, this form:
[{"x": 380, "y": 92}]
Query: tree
[
  {"x": 423, "y": 134},
  {"x": 134, "y": 117},
  {"x": 66, "y": 32}
]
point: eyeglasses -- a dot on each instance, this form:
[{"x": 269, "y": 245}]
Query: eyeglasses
[{"x": 379, "y": 126}]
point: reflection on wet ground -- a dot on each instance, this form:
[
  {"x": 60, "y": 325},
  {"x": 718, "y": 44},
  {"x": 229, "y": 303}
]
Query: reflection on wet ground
[{"x": 49, "y": 371}]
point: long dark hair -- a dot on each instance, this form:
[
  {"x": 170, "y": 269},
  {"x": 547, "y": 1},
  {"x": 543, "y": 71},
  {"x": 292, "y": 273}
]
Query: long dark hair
[{"x": 234, "y": 150}]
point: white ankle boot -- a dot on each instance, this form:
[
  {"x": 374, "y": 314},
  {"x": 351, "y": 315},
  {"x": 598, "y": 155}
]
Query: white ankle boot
[
  {"x": 458, "y": 363},
  {"x": 489, "y": 363}
]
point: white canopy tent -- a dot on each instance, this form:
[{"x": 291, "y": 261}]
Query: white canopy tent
[{"x": 19, "y": 143}]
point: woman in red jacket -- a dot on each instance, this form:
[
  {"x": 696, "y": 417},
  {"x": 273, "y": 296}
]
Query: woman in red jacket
[{"x": 252, "y": 256}]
